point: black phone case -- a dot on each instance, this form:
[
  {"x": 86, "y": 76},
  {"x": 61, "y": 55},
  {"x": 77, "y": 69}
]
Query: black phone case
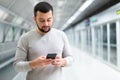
[{"x": 51, "y": 56}]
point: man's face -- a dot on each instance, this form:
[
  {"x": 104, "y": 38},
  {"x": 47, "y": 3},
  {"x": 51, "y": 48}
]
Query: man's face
[{"x": 44, "y": 21}]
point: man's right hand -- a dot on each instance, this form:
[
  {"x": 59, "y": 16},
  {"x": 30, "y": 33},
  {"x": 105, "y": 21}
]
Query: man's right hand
[{"x": 39, "y": 62}]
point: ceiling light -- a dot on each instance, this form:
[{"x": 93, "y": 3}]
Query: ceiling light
[
  {"x": 85, "y": 5},
  {"x": 5, "y": 15},
  {"x": 19, "y": 20},
  {"x": 60, "y": 3},
  {"x": 82, "y": 8},
  {"x": 1, "y": 13}
]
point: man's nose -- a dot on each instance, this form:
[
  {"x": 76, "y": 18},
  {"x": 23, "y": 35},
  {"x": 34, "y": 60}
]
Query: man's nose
[{"x": 45, "y": 23}]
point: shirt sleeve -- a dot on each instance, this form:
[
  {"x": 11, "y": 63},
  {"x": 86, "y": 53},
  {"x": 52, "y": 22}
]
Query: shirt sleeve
[
  {"x": 67, "y": 54},
  {"x": 20, "y": 63}
]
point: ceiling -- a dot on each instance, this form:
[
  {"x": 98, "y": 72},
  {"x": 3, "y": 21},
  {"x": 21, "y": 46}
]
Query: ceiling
[{"x": 63, "y": 9}]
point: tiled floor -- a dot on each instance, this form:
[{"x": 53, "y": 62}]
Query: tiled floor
[{"x": 85, "y": 68}]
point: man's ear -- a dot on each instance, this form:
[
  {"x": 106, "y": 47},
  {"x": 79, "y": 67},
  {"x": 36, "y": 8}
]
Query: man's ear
[{"x": 34, "y": 18}]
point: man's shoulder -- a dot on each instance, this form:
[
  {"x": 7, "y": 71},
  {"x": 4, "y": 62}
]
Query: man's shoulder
[
  {"x": 57, "y": 31},
  {"x": 27, "y": 34}
]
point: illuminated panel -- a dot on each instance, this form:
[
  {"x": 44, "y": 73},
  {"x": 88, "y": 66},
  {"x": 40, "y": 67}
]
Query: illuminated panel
[{"x": 118, "y": 12}]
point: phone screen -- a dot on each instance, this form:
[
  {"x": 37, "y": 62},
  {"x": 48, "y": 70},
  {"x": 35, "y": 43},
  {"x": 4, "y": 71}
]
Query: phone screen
[{"x": 51, "y": 56}]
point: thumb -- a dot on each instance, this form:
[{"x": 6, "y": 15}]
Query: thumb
[
  {"x": 57, "y": 57},
  {"x": 43, "y": 57}
]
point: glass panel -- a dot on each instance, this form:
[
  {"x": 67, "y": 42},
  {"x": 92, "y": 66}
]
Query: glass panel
[
  {"x": 89, "y": 40},
  {"x": 105, "y": 52},
  {"x": 1, "y": 33},
  {"x": 113, "y": 33},
  {"x": 105, "y": 34},
  {"x": 96, "y": 40},
  {"x": 80, "y": 39},
  {"x": 9, "y": 35},
  {"x": 84, "y": 36},
  {"x": 98, "y": 43},
  {"x": 77, "y": 38},
  {"x": 17, "y": 32},
  {"x": 105, "y": 47},
  {"x": 113, "y": 53}
]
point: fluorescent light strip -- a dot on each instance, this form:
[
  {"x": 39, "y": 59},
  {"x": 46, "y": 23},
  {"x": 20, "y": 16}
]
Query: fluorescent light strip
[
  {"x": 85, "y": 5},
  {"x": 82, "y": 8}
]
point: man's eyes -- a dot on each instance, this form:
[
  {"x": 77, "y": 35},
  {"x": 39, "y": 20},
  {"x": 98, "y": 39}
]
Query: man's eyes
[
  {"x": 41, "y": 20},
  {"x": 49, "y": 20},
  {"x": 44, "y": 20}
]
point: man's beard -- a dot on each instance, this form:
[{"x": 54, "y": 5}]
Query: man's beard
[{"x": 42, "y": 29}]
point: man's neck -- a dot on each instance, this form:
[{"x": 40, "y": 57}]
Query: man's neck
[{"x": 38, "y": 31}]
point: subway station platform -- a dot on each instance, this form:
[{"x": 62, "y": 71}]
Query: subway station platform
[
  {"x": 91, "y": 28},
  {"x": 84, "y": 67}
]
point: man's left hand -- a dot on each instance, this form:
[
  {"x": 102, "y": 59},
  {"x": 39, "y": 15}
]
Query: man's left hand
[{"x": 59, "y": 62}]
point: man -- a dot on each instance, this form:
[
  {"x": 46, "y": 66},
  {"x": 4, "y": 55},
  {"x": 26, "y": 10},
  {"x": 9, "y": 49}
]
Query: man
[{"x": 34, "y": 46}]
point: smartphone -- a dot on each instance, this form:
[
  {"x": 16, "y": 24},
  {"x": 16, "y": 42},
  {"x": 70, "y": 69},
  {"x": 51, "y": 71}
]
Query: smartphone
[{"x": 51, "y": 56}]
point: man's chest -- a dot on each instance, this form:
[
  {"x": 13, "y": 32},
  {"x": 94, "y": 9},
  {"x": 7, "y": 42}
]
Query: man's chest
[{"x": 43, "y": 46}]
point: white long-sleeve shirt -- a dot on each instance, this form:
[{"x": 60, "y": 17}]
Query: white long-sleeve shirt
[{"x": 32, "y": 45}]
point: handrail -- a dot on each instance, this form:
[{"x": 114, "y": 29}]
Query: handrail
[{"x": 6, "y": 63}]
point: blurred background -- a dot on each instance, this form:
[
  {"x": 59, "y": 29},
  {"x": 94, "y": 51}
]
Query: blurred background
[{"x": 92, "y": 26}]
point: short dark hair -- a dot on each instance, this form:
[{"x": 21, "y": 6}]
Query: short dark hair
[{"x": 42, "y": 7}]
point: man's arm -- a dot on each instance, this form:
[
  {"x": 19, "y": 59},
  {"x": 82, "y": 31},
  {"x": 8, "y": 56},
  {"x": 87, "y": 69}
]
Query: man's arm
[
  {"x": 67, "y": 54},
  {"x": 67, "y": 58},
  {"x": 20, "y": 63}
]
